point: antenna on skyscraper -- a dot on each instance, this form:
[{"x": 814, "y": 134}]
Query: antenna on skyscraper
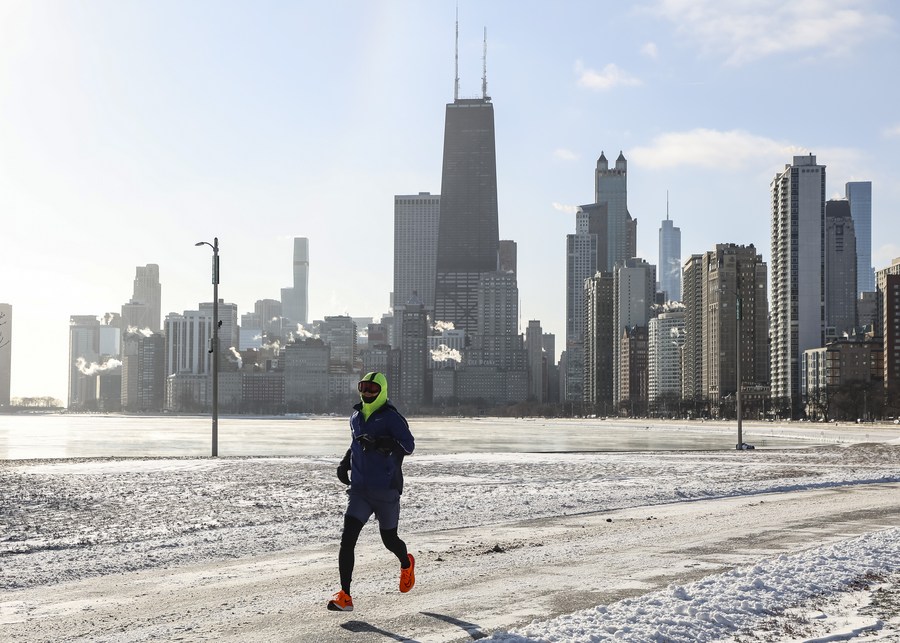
[
  {"x": 456, "y": 60},
  {"x": 484, "y": 67}
]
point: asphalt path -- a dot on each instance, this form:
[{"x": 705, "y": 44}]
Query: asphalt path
[{"x": 470, "y": 581}]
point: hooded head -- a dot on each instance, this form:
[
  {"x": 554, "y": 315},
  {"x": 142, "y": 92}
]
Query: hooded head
[{"x": 373, "y": 391}]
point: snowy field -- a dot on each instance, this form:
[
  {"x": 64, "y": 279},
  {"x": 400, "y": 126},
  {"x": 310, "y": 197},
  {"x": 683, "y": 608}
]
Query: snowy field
[{"x": 766, "y": 545}]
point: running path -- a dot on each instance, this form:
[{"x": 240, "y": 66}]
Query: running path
[{"x": 470, "y": 582}]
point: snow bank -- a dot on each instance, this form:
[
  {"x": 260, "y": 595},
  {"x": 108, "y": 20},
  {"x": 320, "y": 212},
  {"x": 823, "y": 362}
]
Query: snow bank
[{"x": 722, "y": 605}]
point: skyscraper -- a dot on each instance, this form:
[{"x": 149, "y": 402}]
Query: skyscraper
[
  {"x": 665, "y": 337},
  {"x": 416, "y": 220},
  {"x": 468, "y": 237},
  {"x": 599, "y": 342},
  {"x": 670, "y": 259},
  {"x": 188, "y": 338},
  {"x": 733, "y": 276},
  {"x": 798, "y": 274},
  {"x": 634, "y": 287},
  {"x": 534, "y": 335},
  {"x": 859, "y": 193},
  {"x": 611, "y": 189},
  {"x": 412, "y": 390},
  {"x": 84, "y": 350},
  {"x": 148, "y": 291},
  {"x": 840, "y": 269},
  {"x": 143, "y": 372},
  {"x": 692, "y": 352},
  {"x": 585, "y": 255},
  {"x": 295, "y": 300}
]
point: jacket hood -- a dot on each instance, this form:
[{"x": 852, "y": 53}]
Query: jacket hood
[{"x": 369, "y": 408}]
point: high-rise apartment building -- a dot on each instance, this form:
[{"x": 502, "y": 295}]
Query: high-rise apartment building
[
  {"x": 634, "y": 287},
  {"x": 295, "y": 300},
  {"x": 84, "y": 350},
  {"x": 665, "y": 337},
  {"x": 306, "y": 367},
  {"x": 888, "y": 284},
  {"x": 734, "y": 299},
  {"x": 339, "y": 332},
  {"x": 416, "y": 222},
  {"x": 412, "y": 391},
  {"x": 188, "y": 360},
  {"x": 840, "y": 269},
  {"x": 692, "y": 352},
  {"x": 416, "y": 225},
  {"x": 143, "y": 372},
  {"x": 598, "y": 342},
  {"x": 468, "y": 237},
  {"x": 5, "y": 353},
  {"x": 583, "y": 259},
  {"x": 633, "y": 365},
  {"x": 798, "y": 275},
  {"x": 534, "y": 335},
  {"x": 859, "y": 194},
  {"x": 496, "y": 338},
  {"x": 670, "y": 260}
]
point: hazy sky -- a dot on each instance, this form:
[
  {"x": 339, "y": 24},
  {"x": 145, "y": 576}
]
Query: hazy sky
[{"x": 131, "y": 130}]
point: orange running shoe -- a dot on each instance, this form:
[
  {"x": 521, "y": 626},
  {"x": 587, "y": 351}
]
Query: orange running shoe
[
  {"x": 408, "y": 575},
  {"x": 341, "y": 602}
]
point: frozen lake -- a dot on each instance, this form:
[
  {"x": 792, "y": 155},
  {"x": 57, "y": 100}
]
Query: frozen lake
[{"x": 89, "y": 436}]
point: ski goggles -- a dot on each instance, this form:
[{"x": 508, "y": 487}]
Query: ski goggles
[{"x": 373, "y": 388}]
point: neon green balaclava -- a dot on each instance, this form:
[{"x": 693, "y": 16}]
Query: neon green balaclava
[{"x": 370, "y": 407}]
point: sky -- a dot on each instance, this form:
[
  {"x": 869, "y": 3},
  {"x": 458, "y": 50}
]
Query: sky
[{"x": 131, "y": 131}]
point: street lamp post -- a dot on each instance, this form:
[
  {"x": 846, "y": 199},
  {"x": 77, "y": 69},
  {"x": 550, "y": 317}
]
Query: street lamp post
[
  {"x": 214, "y": 344},
  {"x": 739, "y": 398},
  {"x": 740, "y": 408}
]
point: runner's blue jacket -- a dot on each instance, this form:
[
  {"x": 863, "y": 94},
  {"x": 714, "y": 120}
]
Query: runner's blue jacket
[{"x": 381, "y": 467}]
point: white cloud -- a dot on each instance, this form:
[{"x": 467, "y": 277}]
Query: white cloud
[
  {"x": 650, "y": 50},
  {"x": 568, "y": 209},
  {"x": 892, "y": 132},
  {"x": 563, "y": 154},
  {"x": 747, "y": 31},
  {"x": 735, "y": 150},
  {"x": 711, "y": 149},
  {"x": 611, "y": 76}
]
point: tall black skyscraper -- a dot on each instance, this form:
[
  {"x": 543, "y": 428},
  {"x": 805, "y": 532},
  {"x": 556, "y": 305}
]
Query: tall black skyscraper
[{"x": 468, "y": 234}]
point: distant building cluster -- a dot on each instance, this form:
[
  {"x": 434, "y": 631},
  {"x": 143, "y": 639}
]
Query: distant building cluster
[
  {"x": 813, "y": 333},
  {"x": 684, "y": 341}
]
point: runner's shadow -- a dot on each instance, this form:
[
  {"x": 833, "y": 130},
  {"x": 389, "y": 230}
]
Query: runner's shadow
[
  {"x": 360, "y": 627},
  {"x": 470, "y": 628}
]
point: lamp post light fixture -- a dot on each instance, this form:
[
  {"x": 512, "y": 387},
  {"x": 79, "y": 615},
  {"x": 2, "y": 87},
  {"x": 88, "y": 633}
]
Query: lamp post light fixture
[{"x": 214, "y": 343}]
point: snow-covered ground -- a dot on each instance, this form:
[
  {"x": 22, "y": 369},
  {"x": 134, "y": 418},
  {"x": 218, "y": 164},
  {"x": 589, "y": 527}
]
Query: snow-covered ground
[{"x": 795, "y": 544}]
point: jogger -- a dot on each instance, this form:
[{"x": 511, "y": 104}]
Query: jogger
[{"x": 372, "y": 467}]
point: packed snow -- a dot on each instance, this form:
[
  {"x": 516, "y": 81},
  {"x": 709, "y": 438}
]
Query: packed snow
[{"x": 69, "y": 523}]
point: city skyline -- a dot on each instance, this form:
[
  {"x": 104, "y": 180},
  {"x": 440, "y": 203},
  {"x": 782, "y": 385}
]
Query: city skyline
[{"x": 123, "y": 146}]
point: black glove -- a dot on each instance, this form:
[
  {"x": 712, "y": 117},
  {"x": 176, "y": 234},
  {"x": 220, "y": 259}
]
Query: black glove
[
  {"x": 385, "y": 444},
  {"x": 343, "y": 469}
]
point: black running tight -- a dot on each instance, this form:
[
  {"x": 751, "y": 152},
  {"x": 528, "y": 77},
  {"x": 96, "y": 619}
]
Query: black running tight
[{"x": 352, "y": 529}]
